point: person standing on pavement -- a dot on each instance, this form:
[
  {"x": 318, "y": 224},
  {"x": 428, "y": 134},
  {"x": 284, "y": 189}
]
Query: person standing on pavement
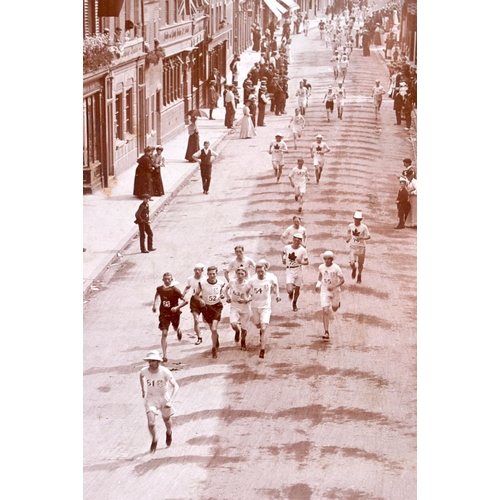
[
  {"x": 247, "y": 130},
  {"x": 290, "y": 231},
  {"x": 143, "y": 172},
  {"x": 252, "y": 106},
  {"x": 230, "y": 105},
  {"x": 407, "y": 109},
  {"x": 170, "y": 310},
  {"x": 357, "y": 234},
  {"x": 277, "y": 150},
  {"x": 411, "y": 220},
  {"x": 205, "y": 158},
  {"x": 263, "y": 285},
  {"x": 210, "y": 296},
  {"x": 238, "y": 294},
  {"x": 193, "y": 141},
  {"x": 154, "y": 380},
  {"x": 398, "y": 106},
  {"x": 213, "y": 99},
  {"x": 263, "y": 99},
  {"x": 299, "y": 177},
  {"x": 142, "y": 220},
  {"x": 402, "y": 203},
  {"x": 330, "y": 279},
  {"x": 156, "y": 180},
  {"x": 294, "y": 256},
  {"x": 241, "y": 260},
  {"x": 297, "y": 124},
  {"x": 194, "y": 304},
  {"x": 377, "y": 95},
  {"x": 318, "y": 150}
]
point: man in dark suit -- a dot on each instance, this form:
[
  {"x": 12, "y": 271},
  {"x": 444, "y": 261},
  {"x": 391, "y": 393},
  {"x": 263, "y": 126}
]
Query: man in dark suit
[{"x": 142, "y": 219}]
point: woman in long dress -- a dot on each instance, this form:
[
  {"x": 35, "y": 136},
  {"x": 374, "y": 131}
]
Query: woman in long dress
[
  {"x": 193, "y": 141},
  {"x": 156, "y": 180},
  {"x": 247, "y": 129},
  {"x": 142, "y": 179}
]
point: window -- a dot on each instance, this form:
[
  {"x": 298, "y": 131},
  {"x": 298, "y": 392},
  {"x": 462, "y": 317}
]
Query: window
[
  {"x": 152, "y": 101},
  {"x": 90, "y": 18},
  {"x": 129, "y": 112},
  {"x": 91, "y": 130},
  {"x": 119, "y": 116},
  {"x": 148, "y": 124},
  {"x": 172, "y": 80}
]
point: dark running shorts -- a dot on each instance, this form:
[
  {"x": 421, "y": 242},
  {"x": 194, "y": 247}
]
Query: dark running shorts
[
  {"x": 329, "y": 105},
  {"x": 212, "y": 312},
  {"x": 165, "y": 321},
  {"x": 194, "y": 305}
]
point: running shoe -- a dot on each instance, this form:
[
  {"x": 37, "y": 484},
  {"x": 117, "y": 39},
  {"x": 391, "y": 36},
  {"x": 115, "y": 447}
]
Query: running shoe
[
  {"x": 179, "y": 334},
  {"x": 262, "y": 353},
  {"x": 169, "y": 439},
  {"x": 152, "y": 448}
]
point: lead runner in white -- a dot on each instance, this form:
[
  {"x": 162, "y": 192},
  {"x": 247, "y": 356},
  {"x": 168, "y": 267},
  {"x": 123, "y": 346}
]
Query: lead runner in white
[{"x": 330, "y": 279}]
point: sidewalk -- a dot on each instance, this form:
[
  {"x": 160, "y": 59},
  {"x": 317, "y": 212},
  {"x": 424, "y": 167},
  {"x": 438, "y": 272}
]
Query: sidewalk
[{"x": 108, "y": 216}]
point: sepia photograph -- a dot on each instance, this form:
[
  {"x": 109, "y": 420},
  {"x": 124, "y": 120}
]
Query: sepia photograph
[{"x": 250, "y": 194}]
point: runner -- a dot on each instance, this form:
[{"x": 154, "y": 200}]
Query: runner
[
  {"x": 210, "y": 296},
  {"x": 301, "y": 95},
  {"x": 287, "y": 236},
  {"x": 194, "y": 304},
  {"x": 154, "y": 380},
  {"x": 277, "y": 149},
  {"x": 357, "y": 234},
  {"x": 335, "y": 59},
  {"x": 329, "y": 100},
  {"x": 297, "y": 124},
  {"x": 299, "y": 176},
  {"x": 318, "y": 150},
  {"x": 343, "y": 65},
  {"x": 330, "y": 279},
  {"x": 263, "y": 285},
  {"x": 377, "y": 95},
  {"x": 340, "y": 97},
  {"x": 238, "y": 293},
  {"x": 241, "y": 260},
  {"x": 170, "y": 310},
  {"x": 308, "y": 88},
  {"x": 294, "y": 257}
]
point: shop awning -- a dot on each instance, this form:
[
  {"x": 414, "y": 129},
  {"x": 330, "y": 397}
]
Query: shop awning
[
  {"x": 290, "y": 4},
  {"x": 277, "y": 9}
]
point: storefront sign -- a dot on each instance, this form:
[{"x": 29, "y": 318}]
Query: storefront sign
[{"x": 175, "y": 33}]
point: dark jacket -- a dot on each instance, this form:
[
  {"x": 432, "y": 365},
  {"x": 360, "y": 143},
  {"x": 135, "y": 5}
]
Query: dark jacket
[{"x": 142, "y": 214}]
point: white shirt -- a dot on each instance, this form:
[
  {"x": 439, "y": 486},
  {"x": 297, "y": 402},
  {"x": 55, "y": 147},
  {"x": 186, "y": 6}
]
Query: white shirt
[
  {"x": 299, "y": 176},
  {"x": 331, "y": 275},
  {"x": 294, "y": 256},
  {"x": 287, "y": 236},
  {"x": 277, "y": 149},
  {"x": 261, "y": 289}
]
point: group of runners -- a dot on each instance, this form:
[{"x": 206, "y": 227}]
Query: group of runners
[{"x": 248, "y": 286}]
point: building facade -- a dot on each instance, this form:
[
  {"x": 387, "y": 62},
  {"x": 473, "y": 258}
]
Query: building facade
[{"x": 146, "y": 64}]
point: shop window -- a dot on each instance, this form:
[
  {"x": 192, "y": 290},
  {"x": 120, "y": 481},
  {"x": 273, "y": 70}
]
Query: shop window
[{"x": 119, "y": 116}]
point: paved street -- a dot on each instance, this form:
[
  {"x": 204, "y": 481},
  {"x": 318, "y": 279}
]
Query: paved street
[{"x": 314, "y": 419}]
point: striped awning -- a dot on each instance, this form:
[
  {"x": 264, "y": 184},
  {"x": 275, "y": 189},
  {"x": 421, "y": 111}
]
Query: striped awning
[{"x": 277, "y": 9}]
